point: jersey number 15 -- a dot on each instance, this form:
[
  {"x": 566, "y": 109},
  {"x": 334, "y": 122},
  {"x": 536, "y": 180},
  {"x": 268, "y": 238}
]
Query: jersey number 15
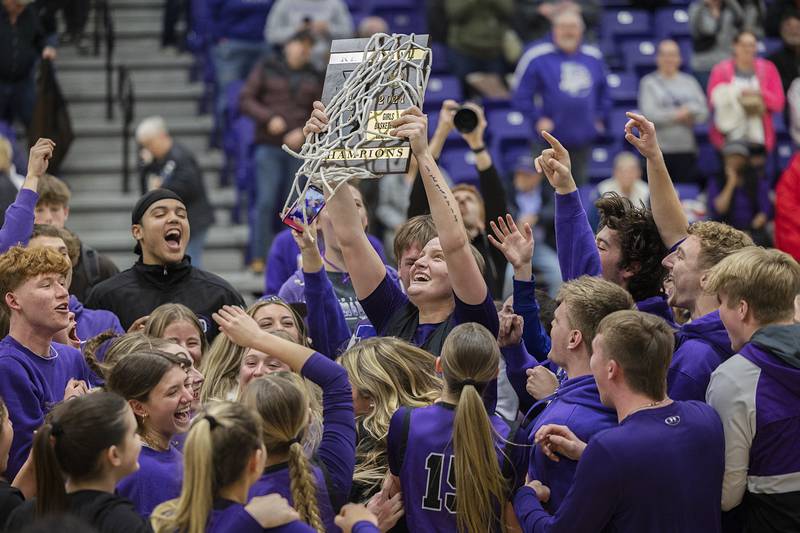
[{"x": 432, "y": 501}]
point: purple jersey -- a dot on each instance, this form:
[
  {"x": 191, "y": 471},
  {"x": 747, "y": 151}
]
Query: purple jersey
[
  {"x": 231, "y": 517},
  {"x": 158, "y": 479},
  {"x": 420, "y": 452}
]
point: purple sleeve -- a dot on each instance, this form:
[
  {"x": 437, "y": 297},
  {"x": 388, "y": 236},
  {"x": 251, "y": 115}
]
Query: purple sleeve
[
  {"x": 484, "y": 313},
  {"x": 365, "y": 527},
  {"x": 337, "y": 449},
  {"x": 575, "y": 244},
  {"x": 25, "y": 408},
  {"x": 383, "y": 302},
  {"x": 281, "y": 262},
  {"x": 525, "y": 305},
  {"x": 18, "y": 224},
  {"x": 518, "y": 360},
  {"x": 327, "y": 326},
  {"x": 589, "y": 504},
  {"x": 236, "y": 521}
]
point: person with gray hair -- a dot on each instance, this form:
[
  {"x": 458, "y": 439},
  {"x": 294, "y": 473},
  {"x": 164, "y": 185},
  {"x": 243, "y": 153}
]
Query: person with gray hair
[
  {"x": 626, "y": 180},
  {"x": 168, "y": 164}
]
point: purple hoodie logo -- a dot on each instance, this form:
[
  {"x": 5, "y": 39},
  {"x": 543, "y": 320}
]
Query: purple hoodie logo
[{"x": 672, "y": 420}]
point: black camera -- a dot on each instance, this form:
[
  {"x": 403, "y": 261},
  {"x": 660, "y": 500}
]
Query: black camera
[{"x": 465, "y": 119}]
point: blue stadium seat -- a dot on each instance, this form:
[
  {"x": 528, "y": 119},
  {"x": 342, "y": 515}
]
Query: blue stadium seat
[
  {"x": 511, "y": 155},
  {"x": 625, "y": 23},
  {"x": 440, "y": 88},
  {"x": 460, "y": 165},
  {"x": 601, "y": 161},
  {"x": 453, "y": 140},
  {"x": 440, "y": 63},
  {"x": 401, "y": 19},
  {"x": 623, "y": 88},
  {"x": 769, "y": 46},
  {"x": 783, "y": 154},
  {"x": 779, "y": 121},
  {"x": 701, "y": 132},
  {"x": 615, "y": 126},
  {"x": 639, "y": 56},
  {"x": 508, "y": 128},
  {"x": 687, "y": 51},
  {"x": 708, "y": 161},
  {"x": 672, "y": 23},
  {"x": 687, "y": 191}
]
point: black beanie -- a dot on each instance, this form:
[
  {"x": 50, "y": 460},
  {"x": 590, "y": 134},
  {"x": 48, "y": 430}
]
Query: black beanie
[{"x": 145, "y": 202}]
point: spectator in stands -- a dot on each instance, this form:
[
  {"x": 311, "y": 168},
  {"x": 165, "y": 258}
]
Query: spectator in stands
[
  {"x": 626, "y": 180},
  {"x": 561, "y": 87},
  {"x": 369, "y": 26},
  {"x": 325, "y": 20},
  {"x": 52, "y": 208},
  {"x": 171, "y": 165},
  {"x": 757, "y": 390},
  {"x": 787, "y": 59},
  {"x": 714, "y": 24},
  {"x": 776, "y": 11},
  {"x": 163, "y": 273},
  {"x": 475, "y": 32},
  {"x": 744, "y": 93},
  {"x": 237, "y": 35},
  {"x": 787, "y": 210},
  {"x": 533, "y": 18},
  {"x": 278, "y": 94},
  {"x": 22, "y": 42},
  {"x": 675, "y": 102}
]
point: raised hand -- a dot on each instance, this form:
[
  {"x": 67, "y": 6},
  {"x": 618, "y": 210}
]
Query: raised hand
[
  {"x": 556, "y": 166},
  {"x": 237, "y": 325},
  {"x": 646, "y": 142},
  {"x": 556, "y": 439},
  {"x": 412, "y": 125},
  {"x": 541, "y": 382},
  {"x": 318, "y": 122},
  {"x": 516, "y": 246},
  {"x": 309, "y": 250},
  {"x": 351, "y": 514},
  {"x": 39, "y": 157},
  {"x": 446, "y": 114}
]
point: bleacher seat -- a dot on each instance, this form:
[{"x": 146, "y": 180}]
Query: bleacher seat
[
  {"x": 401, "y": 19},
  {"x": 783, "y": 155},
  {"x": 623, "y": 88},
  {"x": 460, "y": 165},
  {"x": 440, "y": 63},
  {"x": 509, "y": 159},
  {"x": 708, "y": 161},
  {"x": 672, "y": 23},
  {"x": 509, "y": 128},
  {"x": 626, "y": 23},
  {"x": 615, "y": 125},
  {"x": 601, "y": 161},
  {"x": 769, "y": 46},
  {"x": 440, "y": 88},
  {"x": 701, "y": 132},
  {"x": 779, "y": 121},
  {"x": 687, "y": 191},
  {"x": 639, "y": 56},
  {"x": 454, "y": 139}
]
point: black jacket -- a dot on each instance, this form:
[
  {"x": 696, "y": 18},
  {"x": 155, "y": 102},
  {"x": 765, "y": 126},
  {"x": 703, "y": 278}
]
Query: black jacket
[
  {"x": 92, "y": 268},
  {"x": 21, "y": 44},
  {"x": 136, "y": 292},
  {"x": 182, "y": 175},
  {"x": 106, "y": 512}
]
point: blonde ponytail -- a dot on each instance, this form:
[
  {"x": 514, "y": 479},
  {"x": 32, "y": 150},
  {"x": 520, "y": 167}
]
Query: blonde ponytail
[
  {"x": 304, "y": 487},
  {"x": 470, "y": 359}
]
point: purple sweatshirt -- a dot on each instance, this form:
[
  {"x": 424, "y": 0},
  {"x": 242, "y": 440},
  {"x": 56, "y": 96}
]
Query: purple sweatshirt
[
  {"x": 659, "y": 471},
  {"x": 578, "y": 255},
  {"x": 743, "y": 206},
  {"x": 536, "y": 339},
  {"x": 575, "y": 404},
  {"x": 700, "y": 347},
  {"x": 337, "y": 449},
  {"x": 571, "y": 91},
  {"x": 158, "y": 479},
  {"x": 231, "y": 517},
  {"x": 242, "y": 20},
  {"x": 18, "y": 224},
  {"x": 283, "y": 259},
  {"x": 92, "y": 322},
  {"x": 30, "y": 387},
  {"x": 518, "y": 361}
]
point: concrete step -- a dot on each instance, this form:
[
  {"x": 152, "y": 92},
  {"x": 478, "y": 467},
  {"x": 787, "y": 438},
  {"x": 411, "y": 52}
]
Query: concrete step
[
  {"x": 137, "y": 6},
  {"x": 80, "y": 183},
  {"x": 249, "y": 285},
  {"x": 77, "y": 80},
  {"x": 90, "y": 221},
  {"x": 143, "y": 109},
  {"x": 97, "y": 93},
  {"x": 120, "y": 240},
  {"x": 105, "y": 164},
  {"x": 69, "y": 62},
  {"x": 110, "y": 202},
  {"x": 111, "y": 145},
  {"x": 184, "y": 126}
]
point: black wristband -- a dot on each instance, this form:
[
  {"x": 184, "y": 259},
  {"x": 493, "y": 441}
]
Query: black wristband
[{"x": 479, "y": 149}]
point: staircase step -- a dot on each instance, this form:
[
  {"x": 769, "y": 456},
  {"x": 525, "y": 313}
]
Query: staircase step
[
  {"x": 70, "y": 62},
  {"x": 83, "y": 183},
  {"x": 120, "y": 240},
  {"x": 102, "y": 146},
  {"x": 89, "y": 222},
  {"x": 183, "y": 126},
  {"x": 73, "y": 81},
  {"x": 143, "y": 109},
  {"x": 208, "y": 161},
  {"x": 117, "y": 201},
  {"x": 97, "y": 93}
]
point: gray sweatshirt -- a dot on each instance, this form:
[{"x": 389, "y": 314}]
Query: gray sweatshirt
[
  {"x": 660, "y": 98},
  {"x": 704, "y": 25}
]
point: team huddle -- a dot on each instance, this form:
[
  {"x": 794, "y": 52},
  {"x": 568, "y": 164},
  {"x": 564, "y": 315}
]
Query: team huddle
[{"x": 659, "y": 392}]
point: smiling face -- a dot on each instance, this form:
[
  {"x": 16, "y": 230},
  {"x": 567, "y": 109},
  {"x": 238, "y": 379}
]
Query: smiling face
[
  {"x": 194, "y": 378},
  {"x": 163, "y": 232},
  {"x": 568, "y": 31},
  {"x": 185, "y": 334},
  {"x": 429, "y": 279},
  {"x": 256, "y": 364},
  {"x": 684, "y": 269},
  {"x": 471, "y": 209},
  {"x": 610, "y": 251},
  {"x": 745, "y": 49},
  {"x": 42, "y": 302},
  {"x": 168, "y": 406},
  {"x": 276, "y": 317}
]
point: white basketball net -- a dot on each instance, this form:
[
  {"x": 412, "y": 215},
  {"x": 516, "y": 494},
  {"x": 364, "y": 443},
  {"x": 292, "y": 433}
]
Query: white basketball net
[{"x": 385, "y": 58}]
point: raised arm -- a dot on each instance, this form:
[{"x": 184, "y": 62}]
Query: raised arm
[
  {"x": 575, "y": 244},
  {"x": 666, "y": 206},
  {"x": 465, "y": 276}
]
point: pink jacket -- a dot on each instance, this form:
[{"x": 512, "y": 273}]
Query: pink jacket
[{"x": 771, "y": 89}]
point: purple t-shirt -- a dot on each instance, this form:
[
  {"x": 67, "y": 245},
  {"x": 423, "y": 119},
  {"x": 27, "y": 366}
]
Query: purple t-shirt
[
  {"x": 231, "y": 517},
  {"x": 158, "y": 479}
]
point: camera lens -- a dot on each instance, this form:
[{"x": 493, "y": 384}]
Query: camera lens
[{"x": 465, "y": 119}]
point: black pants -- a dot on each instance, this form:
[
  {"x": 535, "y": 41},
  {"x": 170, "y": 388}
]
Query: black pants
[
  {"x": 76, "y": 13},
  {"x": 173, "y": 11}
]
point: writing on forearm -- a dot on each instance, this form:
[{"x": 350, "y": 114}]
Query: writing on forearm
[{"x": 442, "y": 191}]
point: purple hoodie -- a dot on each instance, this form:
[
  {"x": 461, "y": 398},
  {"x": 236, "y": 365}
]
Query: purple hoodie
[
  {"x": 18, "y": 224},
  {"x": 700, "y": 347},
  {"x": 576, "y": 404},
  {"x": 92, "y": 322}
]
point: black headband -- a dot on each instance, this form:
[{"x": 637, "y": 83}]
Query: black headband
[{"x": 149, "y": 199}]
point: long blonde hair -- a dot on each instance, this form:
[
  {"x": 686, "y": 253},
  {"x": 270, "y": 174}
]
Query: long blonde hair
[
  {"x": 221, "y": 363},
  {"x": 165, "y": 315},
  {"x": 219, "y": 446},
  {"x": 470, "y": 359},
  {"x": 391, "y": 373},
  {"x": 282, "y": 402}
]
